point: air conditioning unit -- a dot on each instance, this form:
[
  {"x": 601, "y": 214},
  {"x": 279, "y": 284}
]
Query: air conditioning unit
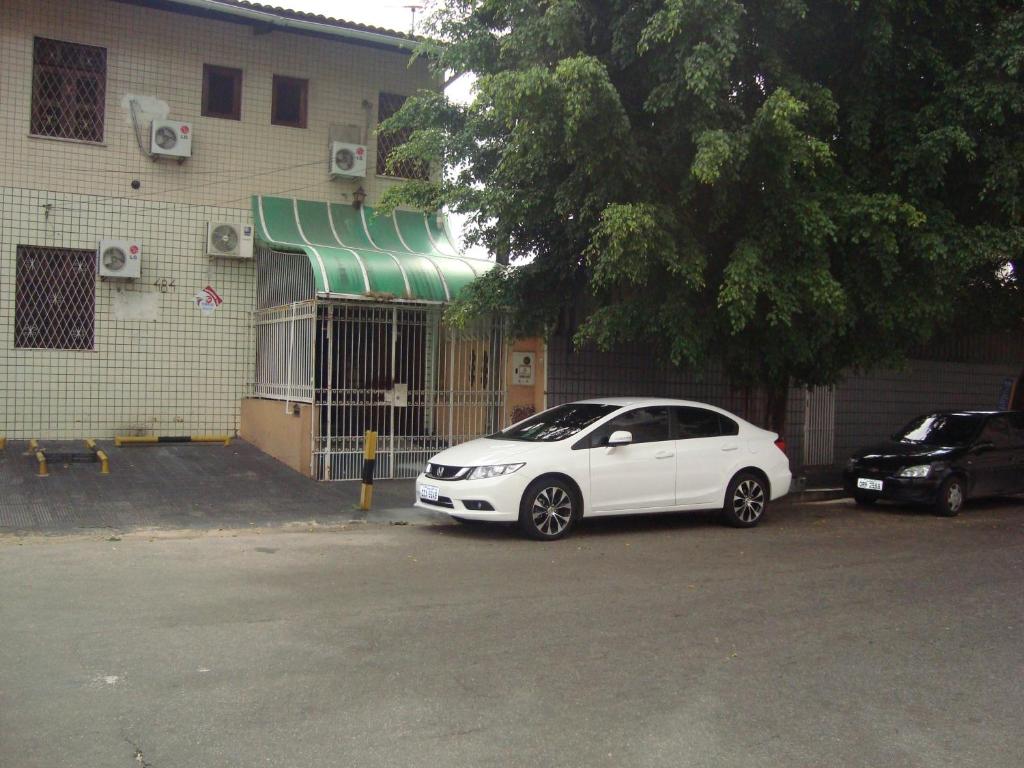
[
  {"x": 228, "y": 240},
  {"x": 348, "y": 161},
  {"x": 170, "y": 138},
  {"x": 119, "y": 258}
]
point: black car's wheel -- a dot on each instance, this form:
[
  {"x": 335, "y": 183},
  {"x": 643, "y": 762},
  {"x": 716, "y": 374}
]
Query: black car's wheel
[
  {"x": 549, "y": 509},
  {"x": 951, "y": 497},
  {"x": 745, "y": 501},
  {"x": 864, "y": 500}
]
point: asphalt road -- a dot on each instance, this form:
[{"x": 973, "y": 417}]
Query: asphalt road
[{"x": 826, "y": 637}]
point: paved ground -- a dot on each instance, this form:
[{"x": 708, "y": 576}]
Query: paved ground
[
  {"x": 826, "y": 637},
  {"x": 178, "y": 486}
]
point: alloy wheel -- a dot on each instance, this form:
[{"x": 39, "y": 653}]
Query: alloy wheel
[
  {"x": 955, "y": 497},
  {"x": 551, "y": 510},
  {"x": 748, "y": 501}
]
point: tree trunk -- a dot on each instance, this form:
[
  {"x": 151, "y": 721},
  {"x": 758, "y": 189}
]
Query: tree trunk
[{"x": 776, "y": 404}]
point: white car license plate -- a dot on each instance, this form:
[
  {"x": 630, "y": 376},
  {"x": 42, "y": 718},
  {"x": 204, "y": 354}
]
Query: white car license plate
[
  {"x": 428, "y": 492},
  {"x": 868, "y": 484}
]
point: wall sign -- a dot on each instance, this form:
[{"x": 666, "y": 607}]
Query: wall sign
[{"x": 207, "y": 300}]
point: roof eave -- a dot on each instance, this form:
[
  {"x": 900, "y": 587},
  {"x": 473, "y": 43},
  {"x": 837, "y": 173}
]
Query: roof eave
[{"x": 301, "y": 25}]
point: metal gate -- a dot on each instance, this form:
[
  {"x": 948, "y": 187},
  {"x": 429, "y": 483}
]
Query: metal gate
[
  {"x": 819, "y": 426},
  {"x": 398, "y": 370}
]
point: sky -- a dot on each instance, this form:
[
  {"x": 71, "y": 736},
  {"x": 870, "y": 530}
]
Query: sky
[{"x": 390, "y": 14}]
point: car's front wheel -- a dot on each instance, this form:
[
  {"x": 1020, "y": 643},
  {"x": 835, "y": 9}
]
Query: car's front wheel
[
  {"x": 951, "y": 497},
  {"x": 745, "y": 501},
  {"x": 549, "y": 509}
]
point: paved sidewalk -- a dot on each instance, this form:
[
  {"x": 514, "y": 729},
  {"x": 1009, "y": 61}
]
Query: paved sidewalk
[{"x": 183, "y": 486}]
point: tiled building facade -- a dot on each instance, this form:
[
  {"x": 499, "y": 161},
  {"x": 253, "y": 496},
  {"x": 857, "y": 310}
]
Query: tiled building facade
[{"x": 152, "y": 362}]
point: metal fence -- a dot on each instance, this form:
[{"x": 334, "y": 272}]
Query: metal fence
[
  {"x": 397, "y": 370},
  {"x": 284, "y": 352},
  {"x": 819, "y": 426}
]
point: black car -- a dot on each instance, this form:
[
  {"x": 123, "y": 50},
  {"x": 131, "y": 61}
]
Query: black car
[{"x": 941, "y": 460}]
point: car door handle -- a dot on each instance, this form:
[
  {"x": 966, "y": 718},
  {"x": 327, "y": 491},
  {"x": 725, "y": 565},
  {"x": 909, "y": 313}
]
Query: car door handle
[
  {"x": 730, "y": 447},
  {"x": 664, "y": 455}
]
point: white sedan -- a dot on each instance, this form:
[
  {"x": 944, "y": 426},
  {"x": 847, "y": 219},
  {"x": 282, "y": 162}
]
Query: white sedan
[{"x": 609, "y": 456}]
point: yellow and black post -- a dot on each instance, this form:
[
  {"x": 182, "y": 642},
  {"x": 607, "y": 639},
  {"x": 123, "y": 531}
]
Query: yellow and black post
[{"x": 369, "y": 462}]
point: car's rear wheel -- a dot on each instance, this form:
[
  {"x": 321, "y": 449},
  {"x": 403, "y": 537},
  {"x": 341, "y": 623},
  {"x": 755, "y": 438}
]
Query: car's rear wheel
[
  {"x": 745, "y": 501},
  {"x": 951, "y": 497},
  {"x": 549, "y": 509}
]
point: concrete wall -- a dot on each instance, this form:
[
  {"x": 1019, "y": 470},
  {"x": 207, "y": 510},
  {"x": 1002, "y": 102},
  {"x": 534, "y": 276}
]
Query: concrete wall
[
  {"x": 287, "y": 436},
  {"x": 872, "y": 406},
  {"x": 179, "y": 371},
  {"x": 868, "y": 407}
]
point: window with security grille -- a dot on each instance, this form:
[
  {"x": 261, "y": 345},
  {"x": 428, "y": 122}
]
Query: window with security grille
[
  {"x": 55, "y": 298},
  {"x": 388, "y": 105},
  {"x": 69, "y": 86}
]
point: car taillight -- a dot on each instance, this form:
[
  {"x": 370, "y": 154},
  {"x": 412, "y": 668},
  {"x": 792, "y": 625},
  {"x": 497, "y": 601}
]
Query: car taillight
[{"x": 781, "y": 444}]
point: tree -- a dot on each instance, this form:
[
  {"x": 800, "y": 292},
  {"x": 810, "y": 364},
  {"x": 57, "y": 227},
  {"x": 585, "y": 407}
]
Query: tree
[{"x": 793, "y": 188}]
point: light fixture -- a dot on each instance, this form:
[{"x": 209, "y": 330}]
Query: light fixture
[{"x": 358, "y": 198}]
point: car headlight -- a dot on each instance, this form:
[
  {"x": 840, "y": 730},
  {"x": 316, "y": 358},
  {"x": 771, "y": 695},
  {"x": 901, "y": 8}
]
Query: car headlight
[
  {"x": 921, "y": 470},
  {"x": 493, "y": 470}
]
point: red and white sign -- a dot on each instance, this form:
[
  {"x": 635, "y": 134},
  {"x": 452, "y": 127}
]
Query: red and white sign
[{"x": 208, "y": 300}]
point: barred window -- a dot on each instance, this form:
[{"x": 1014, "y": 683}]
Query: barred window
[
  {"x": 55, "y": 298},
  {"x": 69, "y": 86},
  {"x": 388, "y": 105}
]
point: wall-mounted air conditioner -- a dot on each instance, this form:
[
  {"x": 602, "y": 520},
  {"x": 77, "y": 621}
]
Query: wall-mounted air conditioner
[
  {"x": 170, "y": 138},
  {"x": 348, "y": 161},
  {"x": 119, "y": 258},
  {"x": 228, "y": 240}
]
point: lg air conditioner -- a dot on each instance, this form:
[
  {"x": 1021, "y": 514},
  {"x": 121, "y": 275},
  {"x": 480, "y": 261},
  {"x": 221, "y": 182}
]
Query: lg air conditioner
[
  {"x": 228, "y": 240},
  {"x": 348, "y": 161},
  {"x": 119, "y": 258},
  {"x": 170, "y": 138}
]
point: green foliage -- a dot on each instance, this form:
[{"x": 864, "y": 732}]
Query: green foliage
[{"x": 792, "y": 188}]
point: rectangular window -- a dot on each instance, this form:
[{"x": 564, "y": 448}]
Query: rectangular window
[
  {"x": 388, "y": 105},
  {"x": 69, "y": 87},
  {"x": 288, "y": 105},
  {"x": 222, "y": 92},
  {"x": 55, "y": 298}
]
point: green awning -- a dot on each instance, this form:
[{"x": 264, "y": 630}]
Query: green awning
[{"x": 356, "y": 253}]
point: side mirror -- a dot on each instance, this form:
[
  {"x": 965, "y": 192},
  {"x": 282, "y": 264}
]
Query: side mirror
[
  {"x": 982, "y": 445},
  {"x": 620, "y": 437}
]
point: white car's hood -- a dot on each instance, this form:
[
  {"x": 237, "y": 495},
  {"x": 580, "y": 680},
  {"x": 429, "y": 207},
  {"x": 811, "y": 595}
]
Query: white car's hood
[{"x": 484, "y": 451}]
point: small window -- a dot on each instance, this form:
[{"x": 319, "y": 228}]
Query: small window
[
  {"x": 288, "y": 105},
  {"x": 69, "y": 87},
  {"x": 647, "y": 425},
  {"x": 387, "y": 106},
  {"x": 222, "y": 92},
  {"x": 728, "y": 426},
  {"x": 996, "y": 429},
  {"x": 55, "y": 298},
  {"x": 689, "y": 423}
]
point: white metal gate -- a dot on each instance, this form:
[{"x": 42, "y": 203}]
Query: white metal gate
[
  {"x": 396, "y": 369},
  {"x": 819, "y": 426}
]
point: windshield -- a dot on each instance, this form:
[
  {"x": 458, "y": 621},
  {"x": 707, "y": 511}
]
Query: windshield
[
  {"x": 941, "y": 429},
  {"x": 556, "y": 423}
]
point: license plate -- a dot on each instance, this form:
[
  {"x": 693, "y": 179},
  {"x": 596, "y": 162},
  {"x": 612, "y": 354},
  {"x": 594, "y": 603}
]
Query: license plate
[
  {"x": 428, "y": 492},
  {"x": 868, "y": 484}
]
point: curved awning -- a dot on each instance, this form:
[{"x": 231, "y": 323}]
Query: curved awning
[{"x": 356, "y": 253}]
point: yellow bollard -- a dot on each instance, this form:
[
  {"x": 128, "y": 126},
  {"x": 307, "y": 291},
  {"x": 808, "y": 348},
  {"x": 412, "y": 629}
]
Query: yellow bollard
[
  {"x": 43, "y": 469},
  {"x": 104, "y": 462},
  {"x": 369, "y": 460},
  {"x": 3, "y": 443}
]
